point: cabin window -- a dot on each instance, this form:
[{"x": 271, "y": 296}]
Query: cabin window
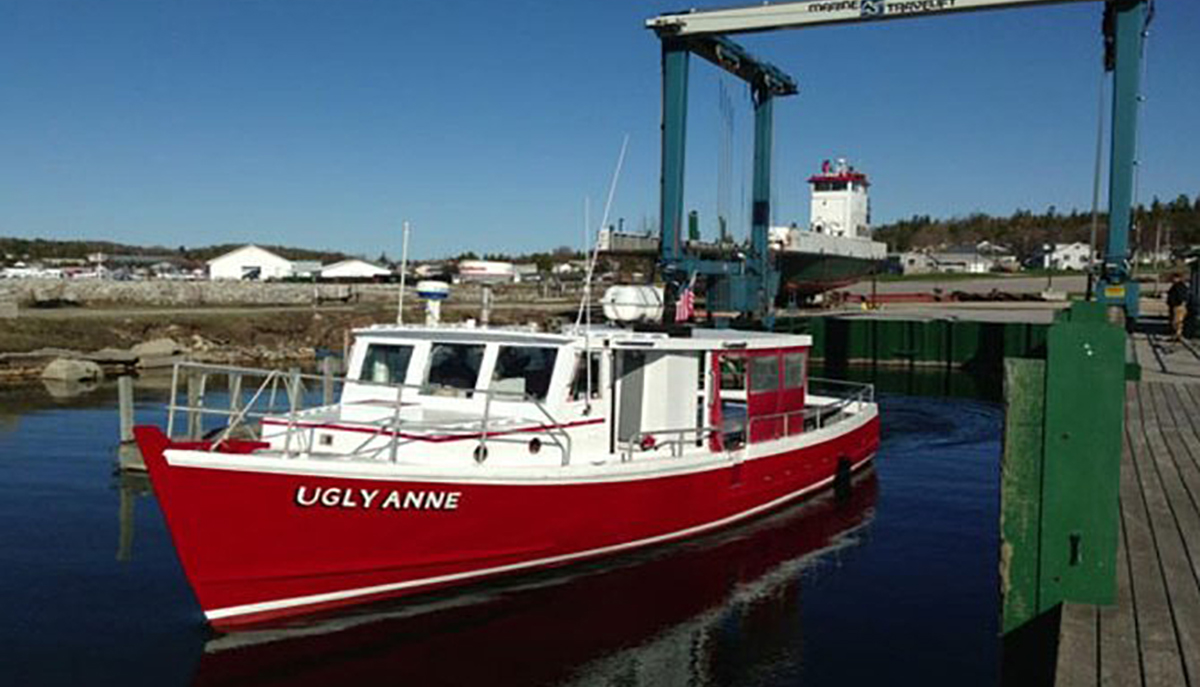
[
  {"x": 793, "y": 370},
  {"x": 579, "y": 384},
  {"x": 385, "y": 364},
  {"x": 764, "y": 373},
  {"x": 733, "y": 373},
  {"x": 524, "y": 371},
  {"x": 453, "y": 368}
]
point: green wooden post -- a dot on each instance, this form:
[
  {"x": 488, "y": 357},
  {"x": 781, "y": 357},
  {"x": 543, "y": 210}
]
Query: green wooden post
[
  {"x": 1021, "y": 489},
  {"x": 1060, "y": 469},
  {"x": 1085, "y": 413}
]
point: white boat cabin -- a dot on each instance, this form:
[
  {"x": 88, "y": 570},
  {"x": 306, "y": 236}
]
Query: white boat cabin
[{"x": 507, "y": 397}]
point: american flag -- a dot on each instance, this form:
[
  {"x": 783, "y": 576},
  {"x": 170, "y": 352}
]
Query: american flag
[{"x": 685, "y": 307}]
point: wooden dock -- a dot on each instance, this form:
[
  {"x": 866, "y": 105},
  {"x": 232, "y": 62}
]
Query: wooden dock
[{"x": 1151, "y": 636}]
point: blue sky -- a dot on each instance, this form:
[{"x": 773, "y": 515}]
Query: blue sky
[{"x": 325, "y": 124}]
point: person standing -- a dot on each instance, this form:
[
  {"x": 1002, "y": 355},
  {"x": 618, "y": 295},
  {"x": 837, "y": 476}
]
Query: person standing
[{"x": 1177, "y": 297}]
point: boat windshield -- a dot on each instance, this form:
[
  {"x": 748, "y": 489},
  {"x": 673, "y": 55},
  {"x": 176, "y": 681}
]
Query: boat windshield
[
  {"x": 386, "y": 363},
  {"x": 584, "y": 377},
  {"x": 453, "y": 369},
  {"x": 524, "y": 370}
]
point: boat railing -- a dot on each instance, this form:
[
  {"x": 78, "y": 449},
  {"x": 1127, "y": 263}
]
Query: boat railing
[
  {"x": 846, "y": 392},
  {"x": 288, "y": 395},
  {"x": 674, "y": 439},
  {"x": 848, "y": 398}
]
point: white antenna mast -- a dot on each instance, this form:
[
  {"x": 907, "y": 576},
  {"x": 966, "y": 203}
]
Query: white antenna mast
[
  {"x": 586, "y": 302},
  {"x": 403, "y": 274},
  {"x": 587, "y": 329},
  {"x": 587, "y": 225}
]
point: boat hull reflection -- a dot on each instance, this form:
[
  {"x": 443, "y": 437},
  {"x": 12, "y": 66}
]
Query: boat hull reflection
[{"x": 659, "y": 616}]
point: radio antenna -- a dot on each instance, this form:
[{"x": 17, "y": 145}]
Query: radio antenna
[{"x": 586, "y": 302}]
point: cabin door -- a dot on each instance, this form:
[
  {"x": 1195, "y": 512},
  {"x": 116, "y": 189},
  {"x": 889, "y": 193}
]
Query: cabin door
[
  {"x": 630, "y": 391},
  {"x": 763, "y": 396},
  {"x": 791, "y": 395}
]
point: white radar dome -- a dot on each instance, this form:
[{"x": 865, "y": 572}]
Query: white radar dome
[{"x": 433, "y": 290}]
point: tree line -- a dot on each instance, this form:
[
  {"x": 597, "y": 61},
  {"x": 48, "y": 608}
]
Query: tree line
[
  {"x": 41, "y": 249},
  {"x": 1173, "y": 224}
]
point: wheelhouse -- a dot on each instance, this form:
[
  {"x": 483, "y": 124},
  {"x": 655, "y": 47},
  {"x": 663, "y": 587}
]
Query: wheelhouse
[{"x": 440, "y": 396}]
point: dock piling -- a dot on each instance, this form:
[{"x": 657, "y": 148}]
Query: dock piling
[
  {"x": 195, "y": 390},
  {"x": 327, "y": 380},
  {"x": 235, "y": 393},
  {"x": 125, "y": 407}
]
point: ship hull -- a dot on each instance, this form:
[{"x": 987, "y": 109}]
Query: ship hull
[
  {"x": 803, "y": 275},
  {"x": 261, "y": 545}
]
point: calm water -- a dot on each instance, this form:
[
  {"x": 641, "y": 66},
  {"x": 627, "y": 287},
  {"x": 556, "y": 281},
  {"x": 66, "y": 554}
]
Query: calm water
[{"x": 895, "y": 584}]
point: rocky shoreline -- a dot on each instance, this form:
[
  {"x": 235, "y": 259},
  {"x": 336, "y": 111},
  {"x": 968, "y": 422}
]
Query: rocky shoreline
[
  {"x": 68, "y": 365},
  {"x": 132, "y": 337},
  {"x": 90, "y": 293}
]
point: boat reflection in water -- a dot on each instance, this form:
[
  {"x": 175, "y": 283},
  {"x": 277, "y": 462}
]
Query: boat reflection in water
[{"x": 679, "y": 614}]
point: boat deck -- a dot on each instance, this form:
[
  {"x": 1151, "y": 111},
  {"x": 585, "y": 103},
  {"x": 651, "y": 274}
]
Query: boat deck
[
  {"x": 1151, "y": 636},
  {"x": 413, "y": 421}
]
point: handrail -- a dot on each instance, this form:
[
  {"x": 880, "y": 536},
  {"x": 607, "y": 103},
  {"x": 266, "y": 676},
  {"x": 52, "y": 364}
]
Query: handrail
[
  {"x": 864, "y": 389},
  {"x": 676, "y": 445},
  {"x": 857, "y": 393},
  {"x": 293, "y": 386}
]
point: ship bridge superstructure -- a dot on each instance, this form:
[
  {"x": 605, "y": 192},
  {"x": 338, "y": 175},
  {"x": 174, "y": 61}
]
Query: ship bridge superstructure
[{"x": 840, "y": 203}]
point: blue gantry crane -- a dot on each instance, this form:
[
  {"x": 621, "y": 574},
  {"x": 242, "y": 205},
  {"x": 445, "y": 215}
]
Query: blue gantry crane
[{"x": 745, "y": 286}]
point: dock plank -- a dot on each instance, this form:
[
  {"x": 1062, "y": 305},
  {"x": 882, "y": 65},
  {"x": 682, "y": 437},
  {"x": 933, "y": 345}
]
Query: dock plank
[
  {"x": 1176, "y": 517},
  {"x": 1078, "y": 648},
  {"x": 1184, "y": 444},
  {"x": 1151, "y": 635},
  {"x": 1120, "y": 664},
  {"x": 1146, "y": 515},
  {"x": 1187, "y": 427}
]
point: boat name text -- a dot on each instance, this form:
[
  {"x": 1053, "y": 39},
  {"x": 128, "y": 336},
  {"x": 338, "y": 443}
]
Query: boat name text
[{"x": 339, "y": 497}]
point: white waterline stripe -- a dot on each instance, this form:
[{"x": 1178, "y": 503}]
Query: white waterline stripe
[{"x": 246, "y": 609}]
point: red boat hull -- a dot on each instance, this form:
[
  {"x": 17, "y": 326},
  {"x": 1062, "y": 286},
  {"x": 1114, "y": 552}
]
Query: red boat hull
[{"x": 262, "y": 546}]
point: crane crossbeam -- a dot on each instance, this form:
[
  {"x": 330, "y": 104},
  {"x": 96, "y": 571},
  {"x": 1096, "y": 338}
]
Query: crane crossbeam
[
  {"x": 794, "y": 15},
  {"x": 734, "y": 59}
]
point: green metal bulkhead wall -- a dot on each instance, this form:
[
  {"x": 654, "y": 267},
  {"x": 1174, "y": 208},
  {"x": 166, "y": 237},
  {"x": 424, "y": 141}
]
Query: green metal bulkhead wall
[{"x": 952, "y": 343}]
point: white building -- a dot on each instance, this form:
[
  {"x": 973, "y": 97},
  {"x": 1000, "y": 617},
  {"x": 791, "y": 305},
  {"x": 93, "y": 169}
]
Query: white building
[
  {"x": 964, "y": 260},
  {"x": 840, "y": 205},
  {"x": 486, "y": 271},
  {"x": 526, "y": 273},
  {"x": 354, "y": 269},
  {"x": 1002, "y": 258},
  {"x": 911, "y": 262},
  {"x": 1066, "y": 256},
  {"x": 306, "y": 269},
  {"x": 250, "y": 263},
  {"x": 436, "y": 269}
]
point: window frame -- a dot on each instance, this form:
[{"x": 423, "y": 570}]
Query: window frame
[
  {"x": 528, "y": 395},
  {"x": 430, "y": 388},
  {"x": 367, "y": 360},
  {"x": 754, "y": 372},
  {"x": 787, "y": 380}
]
